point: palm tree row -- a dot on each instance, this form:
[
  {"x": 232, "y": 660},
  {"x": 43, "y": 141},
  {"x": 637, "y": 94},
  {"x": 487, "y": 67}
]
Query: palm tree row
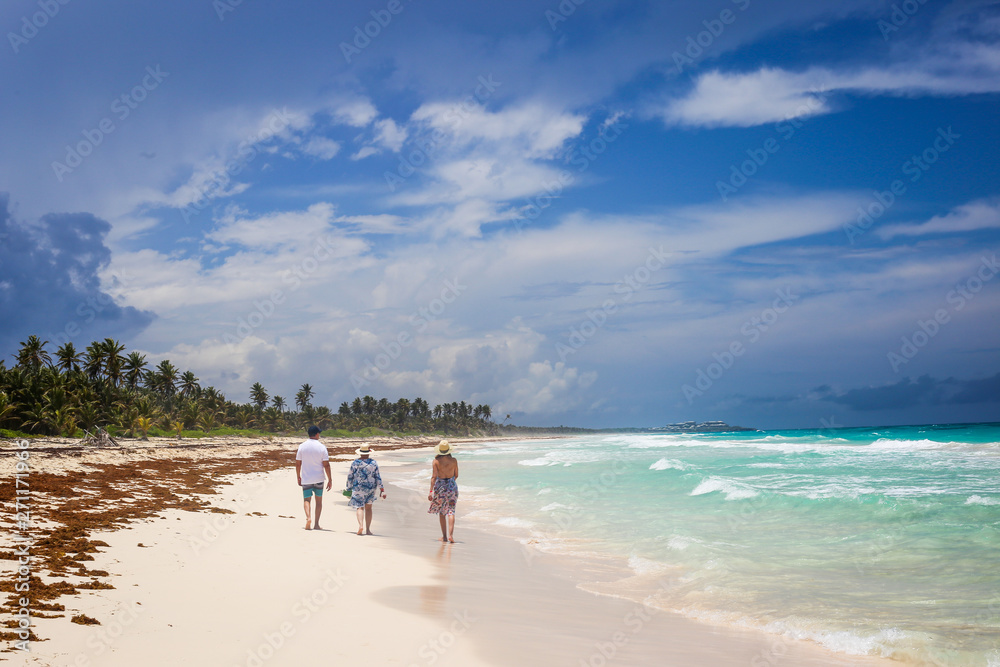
[{"x": 68, "y": 391}]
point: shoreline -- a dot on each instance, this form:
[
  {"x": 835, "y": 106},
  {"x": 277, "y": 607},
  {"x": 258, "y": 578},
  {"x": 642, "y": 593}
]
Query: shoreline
[{"x": 179, "y": 574}]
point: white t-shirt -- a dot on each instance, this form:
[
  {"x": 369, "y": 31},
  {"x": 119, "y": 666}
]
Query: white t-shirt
[{"x": 312, "y": 453}]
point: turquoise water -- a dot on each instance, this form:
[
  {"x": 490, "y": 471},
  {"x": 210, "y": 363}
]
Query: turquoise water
[{"x": 870, "y": 541}]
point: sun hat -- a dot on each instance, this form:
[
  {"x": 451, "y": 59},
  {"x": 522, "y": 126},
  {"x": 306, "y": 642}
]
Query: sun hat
[
  {"x": 364, "y": 450},
  {"x": 443, "y": 448},
  {"x": 314, "y": 430}
]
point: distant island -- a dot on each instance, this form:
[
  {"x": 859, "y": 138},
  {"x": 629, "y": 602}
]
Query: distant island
[{"x": 695, "y": 427}]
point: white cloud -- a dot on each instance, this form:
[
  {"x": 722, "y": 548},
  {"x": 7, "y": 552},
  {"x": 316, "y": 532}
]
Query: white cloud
[
  {"x": 983, "y": 214},
  {"x": 770, "y": 95},
  {"x": 389, "y": 135},
  {"x": 356, "y": 112},
  {"x": 535, "y": 130},
  {"x": 321, "y": 147},
  {"x": 747, "y": 99},
  {"x": 282, "y": 229},
  {"x": 365, "y": 151}
]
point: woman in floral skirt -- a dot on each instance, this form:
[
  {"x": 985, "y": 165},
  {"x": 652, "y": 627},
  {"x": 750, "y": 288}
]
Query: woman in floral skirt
[{"x": 444, "y": 489}]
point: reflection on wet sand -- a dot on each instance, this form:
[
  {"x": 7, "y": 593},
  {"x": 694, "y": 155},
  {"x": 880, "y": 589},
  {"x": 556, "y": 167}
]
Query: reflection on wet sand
[{"x": 433, "y": 598}]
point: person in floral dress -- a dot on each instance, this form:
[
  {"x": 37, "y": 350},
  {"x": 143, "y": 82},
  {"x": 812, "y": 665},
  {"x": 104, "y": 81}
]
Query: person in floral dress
[
  {"x": 444, "y": 489},
  {"x": 365, "y": 481}
]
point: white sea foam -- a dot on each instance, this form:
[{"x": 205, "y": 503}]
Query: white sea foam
[
  {"x": 555, "y": 506},
  {"x": 641, "y": 565},
  {"x": 669, "y": 464},
  {"x": 980, "y": 500},
  {"x": 513, "y": 522},
  {"x": 732, "y": 489}
]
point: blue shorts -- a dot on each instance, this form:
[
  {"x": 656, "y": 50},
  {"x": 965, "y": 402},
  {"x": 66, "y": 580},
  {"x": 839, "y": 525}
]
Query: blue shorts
[{"x": 309, "y": 489}]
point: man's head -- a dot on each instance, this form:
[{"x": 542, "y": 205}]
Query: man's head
[{"x": 314, "y": 431}]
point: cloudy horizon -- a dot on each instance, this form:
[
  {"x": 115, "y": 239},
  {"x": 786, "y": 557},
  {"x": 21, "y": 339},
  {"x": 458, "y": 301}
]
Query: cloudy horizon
[{"x": 583, "y": 213}]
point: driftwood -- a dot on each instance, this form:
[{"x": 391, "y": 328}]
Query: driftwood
[{"x": 100, "y": 438}]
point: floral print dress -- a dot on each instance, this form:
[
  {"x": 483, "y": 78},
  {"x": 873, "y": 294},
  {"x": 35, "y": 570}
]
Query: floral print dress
[{"x": 365, "y": 481}]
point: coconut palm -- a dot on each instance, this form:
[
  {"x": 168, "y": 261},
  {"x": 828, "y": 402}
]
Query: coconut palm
[
  {"x": 134, "y": 367},
  {"x": 69, "y": 358},
  {"x": 144, "y": 424},
  {"x": 307, "y": 394},
  {"x": 278, "y": 402},
  {"x": 259, "y": 395},
  {"x": 189, "y": 385},
  {"x": 33, "y": 355},
  {"x": 165, "y": 378},
  {"x": 113, "y": 360},
  {"x": 208, "y": 420}
]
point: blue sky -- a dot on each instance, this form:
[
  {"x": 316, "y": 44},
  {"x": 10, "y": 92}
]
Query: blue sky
[{"x": 601, "y": 214}]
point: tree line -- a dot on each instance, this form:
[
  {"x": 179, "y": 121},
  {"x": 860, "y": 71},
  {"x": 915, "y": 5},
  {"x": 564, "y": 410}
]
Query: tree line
[{"x": 69, "y": 391}]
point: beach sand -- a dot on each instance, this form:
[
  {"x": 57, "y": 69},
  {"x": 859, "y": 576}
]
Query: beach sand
[{"x": 245, "y": 584}]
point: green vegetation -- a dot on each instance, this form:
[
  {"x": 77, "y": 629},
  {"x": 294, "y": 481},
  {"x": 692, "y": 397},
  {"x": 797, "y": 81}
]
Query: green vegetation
[{"x": 71, "y": 392}]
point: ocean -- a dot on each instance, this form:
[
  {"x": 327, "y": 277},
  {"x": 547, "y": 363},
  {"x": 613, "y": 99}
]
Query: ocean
[{"x": 869, "y": 541}]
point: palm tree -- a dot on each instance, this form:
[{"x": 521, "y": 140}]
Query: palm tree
[
  {"x": 93, "y": 360},
  {"x": 165, "y": 376},
  {"x": 144, "y": 424},
  {"x": 278, "y": 402},
  {"x": 135, "y": 368},
  {"x": 189, "y": 385},
  {"x": 259, "y": 395},
  {"x": 303, "y": 396},
  {"x": 208, "y": 420},
  {"x": 113, "y": 360},
  {"x": 69, "y": 358},
  {"x": 32, "y": 354}
]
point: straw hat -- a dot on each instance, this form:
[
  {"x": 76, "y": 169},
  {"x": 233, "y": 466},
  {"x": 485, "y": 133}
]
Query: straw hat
[
  {"x": 443, "y": 448},
  {"x": 364, "y": 450}
]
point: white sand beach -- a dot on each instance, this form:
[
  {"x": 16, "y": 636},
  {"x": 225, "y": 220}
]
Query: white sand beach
[{"x": 253, "y": 588}]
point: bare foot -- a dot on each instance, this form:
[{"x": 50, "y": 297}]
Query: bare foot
[
  {"x": 307, "y": 524},
  {"x": 359, "y": 531},
  {"x": 451, "y": 539},
  {"x": 316, "y": 527}
]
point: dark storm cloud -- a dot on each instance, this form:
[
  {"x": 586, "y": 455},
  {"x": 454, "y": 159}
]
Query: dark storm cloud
[
  {"x": 923, "y": 390},
  {"x": 49, "y": 283}
]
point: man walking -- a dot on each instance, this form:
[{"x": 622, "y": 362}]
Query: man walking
[{"x": 311, "y": 460}]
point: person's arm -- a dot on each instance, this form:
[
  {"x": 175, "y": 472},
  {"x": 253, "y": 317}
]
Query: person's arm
[
  {"x": 329, "y": 475},
  {"x": 456, "y": 470},
  {"x": 434, "y": 476},
  {"x": 298, "y": 471},
  {"x": 378, "y": 480}
]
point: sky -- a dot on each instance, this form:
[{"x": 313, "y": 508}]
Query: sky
[{"x": 598, "y": 214}]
